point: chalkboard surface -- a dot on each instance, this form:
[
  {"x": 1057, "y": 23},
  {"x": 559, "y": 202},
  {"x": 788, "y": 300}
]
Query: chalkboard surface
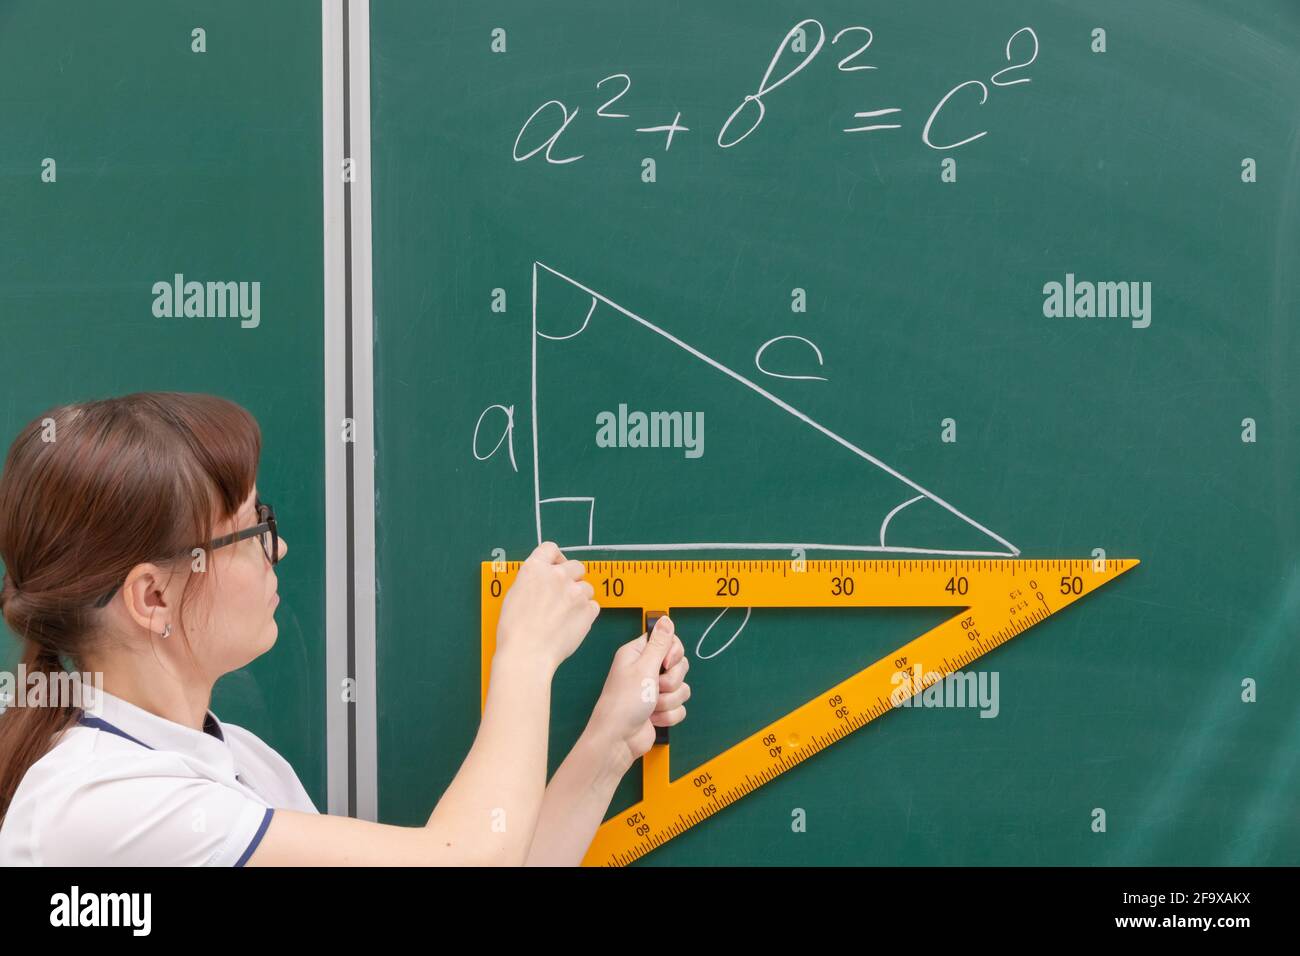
[
  {"x": 1026, "y": 270},
  {"x": 166, "y": 161}
]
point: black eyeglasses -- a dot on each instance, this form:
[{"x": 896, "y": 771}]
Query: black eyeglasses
[{"x": 266, "y": 531}]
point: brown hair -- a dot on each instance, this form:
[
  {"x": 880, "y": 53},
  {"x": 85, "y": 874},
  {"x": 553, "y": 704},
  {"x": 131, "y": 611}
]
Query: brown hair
[{"x": 88, "y": 492}]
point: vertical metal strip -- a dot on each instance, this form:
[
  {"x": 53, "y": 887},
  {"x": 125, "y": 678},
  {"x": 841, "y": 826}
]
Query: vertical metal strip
[
  {"x": 338, "y": 761},
  {"x": 349, "y": 448},
  {"x": 365, "y": 737}
]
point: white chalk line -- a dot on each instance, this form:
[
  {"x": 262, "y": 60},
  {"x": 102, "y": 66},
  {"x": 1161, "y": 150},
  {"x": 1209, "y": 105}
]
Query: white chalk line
[
  {"x": 757, "y": 388},
  {"x": 730, "y": 641},
  {"x": 758, "y": 358},
  {"x": 868, "y": 114},
  {"x": 591, "y": 511},
  {"x": 889, "y": 517},
  {"x": 537, "y": 484},
  {"x": 784, "y": 546},
  {"x": 561, "y": 338}
]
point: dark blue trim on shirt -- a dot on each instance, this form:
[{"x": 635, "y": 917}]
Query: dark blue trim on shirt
[
  {"x": 210, "y": 726},
  {"x": 257, "y": 837},
  {"x": 99, "y": 723}
]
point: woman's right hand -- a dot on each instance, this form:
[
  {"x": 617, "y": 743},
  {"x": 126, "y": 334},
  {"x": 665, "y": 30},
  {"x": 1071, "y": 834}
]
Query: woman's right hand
[{"x": 548, "y": 610}]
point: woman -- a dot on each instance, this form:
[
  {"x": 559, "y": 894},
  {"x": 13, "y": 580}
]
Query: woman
[{"x": 136, "y": 546}]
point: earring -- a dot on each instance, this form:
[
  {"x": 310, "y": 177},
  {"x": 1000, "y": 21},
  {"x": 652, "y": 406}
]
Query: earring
[{"x": 167, "y": 631}]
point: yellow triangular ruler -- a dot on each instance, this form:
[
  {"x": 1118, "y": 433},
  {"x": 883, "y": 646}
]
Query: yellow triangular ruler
[{"x": 996, "y": 599}]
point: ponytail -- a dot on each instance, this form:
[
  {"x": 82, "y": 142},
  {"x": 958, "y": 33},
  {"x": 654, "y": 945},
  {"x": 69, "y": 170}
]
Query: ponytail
[{"x": 28, "y": 731}]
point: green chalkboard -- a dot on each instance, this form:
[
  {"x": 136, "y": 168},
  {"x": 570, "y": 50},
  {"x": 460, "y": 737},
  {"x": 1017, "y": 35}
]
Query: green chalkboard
[
  {"x": 166, "y": 161},
  {"x": 861, "y": 324}
]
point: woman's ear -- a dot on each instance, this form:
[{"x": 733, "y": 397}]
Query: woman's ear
[{"x": 146, "y": 597}]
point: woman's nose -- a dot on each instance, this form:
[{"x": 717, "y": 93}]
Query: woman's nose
[{"x": 284, "y": 549}]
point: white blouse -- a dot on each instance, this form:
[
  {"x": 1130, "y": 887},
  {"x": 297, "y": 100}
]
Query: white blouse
[{"x": 124, "y": 787}]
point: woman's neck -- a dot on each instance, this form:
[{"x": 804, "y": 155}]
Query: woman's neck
[{"x": 160, "y": 693}]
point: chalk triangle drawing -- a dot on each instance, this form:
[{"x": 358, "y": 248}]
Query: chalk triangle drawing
[{"x": 588, "y": 499}]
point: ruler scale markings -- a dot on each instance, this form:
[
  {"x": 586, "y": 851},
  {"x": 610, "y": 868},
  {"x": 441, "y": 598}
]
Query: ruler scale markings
[{"x": 736, "y": 772}]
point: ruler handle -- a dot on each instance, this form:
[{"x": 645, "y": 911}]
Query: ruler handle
[{"x": 652, "y": 618}]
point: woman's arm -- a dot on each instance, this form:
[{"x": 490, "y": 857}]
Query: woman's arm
[
  {"x": 486, "y": 817},
  {"x": 577, "y": 799},
  {"x": 489, "y": 813},
  {"x": 636, "y": 699}
]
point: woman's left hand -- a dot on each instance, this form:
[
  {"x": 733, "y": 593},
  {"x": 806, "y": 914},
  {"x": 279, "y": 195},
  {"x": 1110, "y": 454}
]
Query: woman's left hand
[{"x": 637, "y": 698}]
